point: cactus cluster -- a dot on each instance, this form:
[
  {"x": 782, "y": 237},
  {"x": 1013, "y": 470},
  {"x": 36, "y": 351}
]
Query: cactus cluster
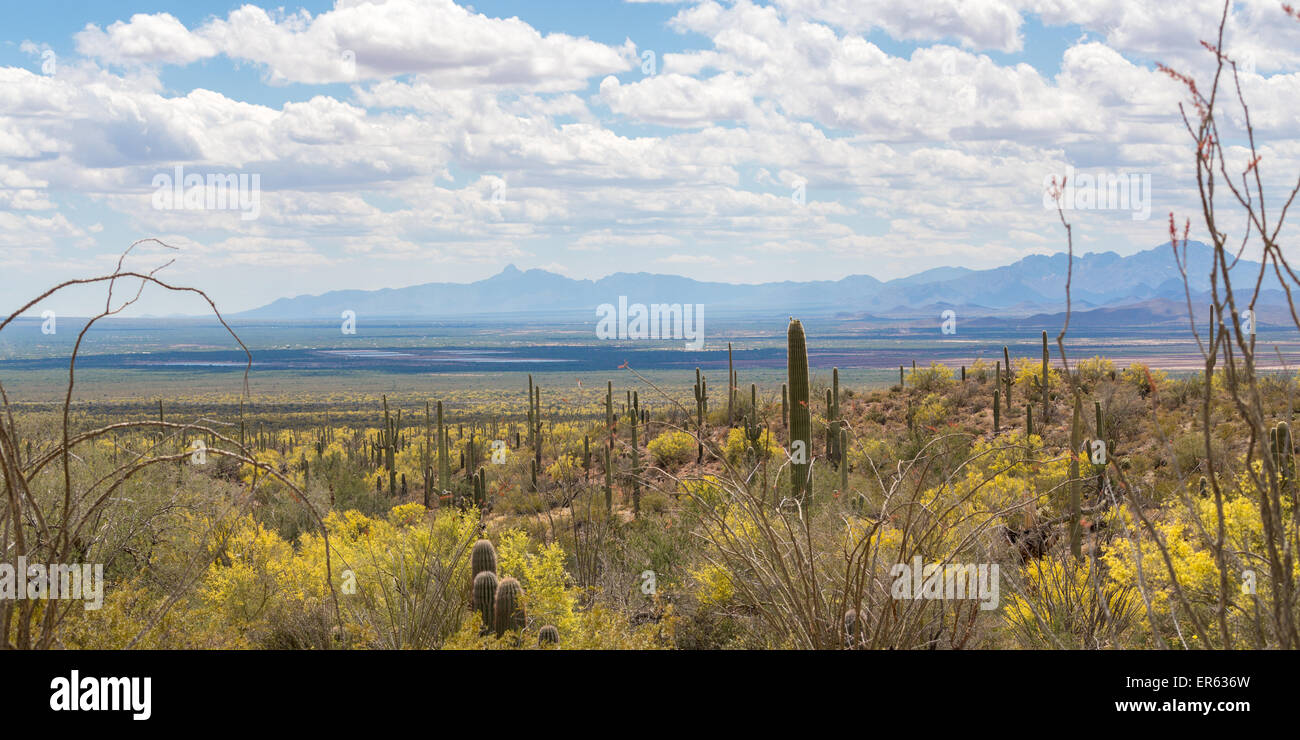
[{"x": 500, "y": 601}]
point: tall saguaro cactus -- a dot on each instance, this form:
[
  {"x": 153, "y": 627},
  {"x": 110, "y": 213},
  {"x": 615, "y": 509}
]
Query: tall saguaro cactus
[
  {"x": 836, "y": 453},
  {"x": 426, "y": 467},
  {"x": 701, "y": 412},
  {"x": 731, "y": 387},
  {"x": 1046, "y": 408},
  {"x": 634, "y": 414},
  {"x": 844, "y": 461},
  {"x": 800, "y": 413},
  {"x": 1006, "y": 363},
  {"x": 611, "y": 422},
  {"x": 388, "y": 438},
  {"x": 1076, "y": 513},
  {"x": 609, "y": 482},
  {"x": 444, "y": 456},
  {"x": 1282, "y": 448}
]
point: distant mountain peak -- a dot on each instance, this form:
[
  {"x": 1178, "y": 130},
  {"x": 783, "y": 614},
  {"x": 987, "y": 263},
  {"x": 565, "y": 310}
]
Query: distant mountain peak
[{"x": 1033, "y": 284}]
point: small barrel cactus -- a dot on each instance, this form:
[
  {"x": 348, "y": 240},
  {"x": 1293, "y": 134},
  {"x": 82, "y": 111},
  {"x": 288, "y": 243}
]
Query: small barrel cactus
[
  {"x": 485, "y": 590},
  {"x": 483, "y": 557},
  {"x": 549, "y": 635},
  {"x": 508, "y": 612}
]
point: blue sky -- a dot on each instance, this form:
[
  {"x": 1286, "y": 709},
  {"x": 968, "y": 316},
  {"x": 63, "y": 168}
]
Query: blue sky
[{"x": 410, "y": 141}]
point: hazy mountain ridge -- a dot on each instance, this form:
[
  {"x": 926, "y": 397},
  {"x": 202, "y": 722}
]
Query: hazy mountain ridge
[{"x": 1032, "y": 285}]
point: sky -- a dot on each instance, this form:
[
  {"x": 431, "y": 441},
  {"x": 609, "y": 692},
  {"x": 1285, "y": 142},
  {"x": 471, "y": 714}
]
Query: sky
[{"x": 371, "y": 144}]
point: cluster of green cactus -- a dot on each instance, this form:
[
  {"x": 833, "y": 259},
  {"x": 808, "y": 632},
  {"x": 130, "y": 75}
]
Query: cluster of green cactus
[
  {"x": 324, "y": 436},
  {"x": 800, "y": 412},
  {"x": 499, "y": 601},
  {"x": 483, "y": 566}
]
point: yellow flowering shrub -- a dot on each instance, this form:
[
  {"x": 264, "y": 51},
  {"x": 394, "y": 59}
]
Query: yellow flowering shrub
[{"x": 672, "y": 447}]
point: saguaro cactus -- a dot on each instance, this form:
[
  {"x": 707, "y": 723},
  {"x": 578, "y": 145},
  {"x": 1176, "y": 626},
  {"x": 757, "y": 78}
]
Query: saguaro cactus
[
  {"x": 835, "y": 451},
  {"x": 444, "y": 458},
  {"x": 800, "y": 413},
  {"x": 1283, "y": 454},
  {"x": 483, "y": 557},
  {"x": 611, "y": 421},
  {"x": 1046, "y": 408},
  {"x": 731, "y": 387},
  {"x": 609, "y": 482},
  {"x": 997, "y": 411},
  {"x": 480, "y": 487},
  {"x": 425, "y": 452},
  {"x": 508, "y": 610},
  {"x": 844, "y": 461},
  {"x": 634, "y": 414},
  {"x": 485, "y": 590},
  {"x": 1076, "y": 514},
  {"x": 701, "y": 411},
  {"x": 532, "y": 418},
  {"x": 1006, "y": 362},
  {"x": 388, "y": 439}
]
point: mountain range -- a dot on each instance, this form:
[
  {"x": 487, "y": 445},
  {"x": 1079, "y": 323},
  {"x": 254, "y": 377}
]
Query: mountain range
[{"x": 1032, "y": 285}]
